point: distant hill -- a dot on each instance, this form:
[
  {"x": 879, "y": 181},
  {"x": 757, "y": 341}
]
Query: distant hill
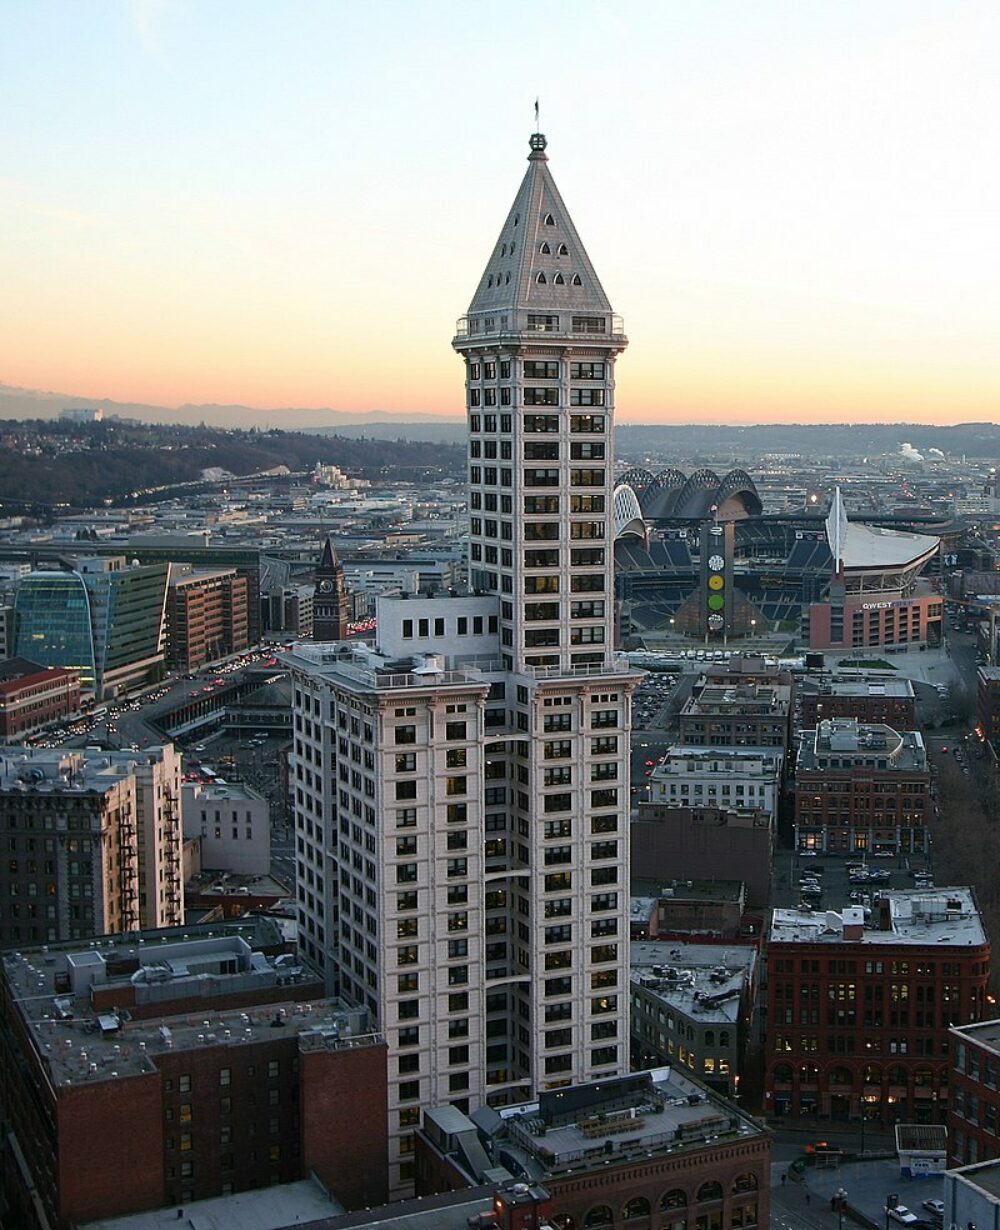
[
  {"x": 834, "y": 440},
  {"x": 16, "y": 403},
  {"x": 44, "y": 463}
]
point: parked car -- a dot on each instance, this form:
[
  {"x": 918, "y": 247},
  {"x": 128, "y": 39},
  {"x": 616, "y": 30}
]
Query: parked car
[
  {"x": 934, "y": 1206},
  {"x": 902, "y": 1215}
]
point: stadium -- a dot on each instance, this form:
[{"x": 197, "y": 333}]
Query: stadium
[{"x": 697, "y": 556}]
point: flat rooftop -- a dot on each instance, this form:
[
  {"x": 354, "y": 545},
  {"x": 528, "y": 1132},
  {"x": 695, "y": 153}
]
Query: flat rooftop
[
  {"x": 706, "y": 981},
  {"x": 655, "y": 1112},
  {"x": 845, "y": 743},
  {"x": 79, "y": 1043},
  {"x": 57, "y": 770},
  {"x": 984, "y": 1175},
  {"x": 849, "y": 686},
  {"x": 687, "y": 890},
  {"x": 265, "y": 1208},
  {"x": 749, "y": 698},
  {"x": 983, "y": 1033},
  {"x": 942, "y": 917}
]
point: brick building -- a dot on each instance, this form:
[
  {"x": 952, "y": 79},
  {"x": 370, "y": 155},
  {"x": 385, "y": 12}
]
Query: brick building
[
  {"x": 988, "y": 705},
  {"x": 152, "y": 1071},
  {"x": 870, "y": 700},
  {"x": 738, "y": 715},
  {"x": 702, "y": 843},
  {"x": 858, "y": 1014},
  {"x": 861, "y": 787},
  {"x": 32, "y": 696},
  {"x": 974, "y": 1110},
  {"x": 649, "y": 1149},
  {"x": 207, "y": 615},
  {"x": 92, "y": 842}
]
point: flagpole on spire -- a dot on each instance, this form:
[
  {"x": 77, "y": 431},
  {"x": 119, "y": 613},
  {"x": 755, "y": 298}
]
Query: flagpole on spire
[{"x": 536, "y": 114}]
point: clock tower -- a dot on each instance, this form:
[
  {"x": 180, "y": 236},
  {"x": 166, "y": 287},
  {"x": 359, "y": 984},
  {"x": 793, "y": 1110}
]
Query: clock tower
[{"x": 330, "y": 605}]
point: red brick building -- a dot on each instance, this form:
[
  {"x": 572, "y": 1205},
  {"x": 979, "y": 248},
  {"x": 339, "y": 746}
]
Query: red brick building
[
  {"x": 880, "y": 701},
  {"x": 858, "y": 1016},
  {"x": 974, "y": 1109},
  {"x": 32, "y": 696},
  {"x": 144, "y": 1073},
  {"x": 653, "y": 1149},
  {"x": 207, "y": 615},
  {"x": 988, "y": 705},
  {"x": 861, "y": 788}
]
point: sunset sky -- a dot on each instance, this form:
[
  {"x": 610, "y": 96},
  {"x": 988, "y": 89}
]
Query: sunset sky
[{"x": 795, "y": 206}]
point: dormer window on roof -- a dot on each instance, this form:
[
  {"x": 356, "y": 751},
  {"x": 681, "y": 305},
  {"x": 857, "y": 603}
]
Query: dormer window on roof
[
  {"x": 563, "y": 250},
  {"x": 545, "y": 250},
  {"x": 577, "y": 280},
  {"x": 549, "y": 220},
  {"x": 503, "y": 249},
  {"x": 541, "y": 279},
  {"x": 559, "y": 280}
]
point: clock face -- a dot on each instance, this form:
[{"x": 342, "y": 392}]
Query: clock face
[
  {"x": 716, "y": 563},
  {"x": 716, "y": 623},
  {"x": 326, "y": 586}
]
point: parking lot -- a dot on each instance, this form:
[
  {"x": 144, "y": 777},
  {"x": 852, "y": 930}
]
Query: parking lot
[{"x": 834, "y": 875}]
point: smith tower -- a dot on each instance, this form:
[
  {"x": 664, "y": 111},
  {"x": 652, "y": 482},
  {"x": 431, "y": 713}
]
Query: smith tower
[
  {"x": 540, "y": 342},
  {"x": 462, "y": 785}
]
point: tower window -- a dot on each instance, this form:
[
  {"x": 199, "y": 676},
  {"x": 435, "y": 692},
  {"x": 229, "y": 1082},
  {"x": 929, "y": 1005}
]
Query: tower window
[
  {"x": 507, "y": 279},
  {"x": 517, "y": 219},
  {"x": 541, "y": 279},
  {"x": 549, "y": 220},
  {"x": 577, "y": 280},
  {"x": 563, "y": 250},
  {"x": 503, "y": 250},
  {"x": 545, "y": 250},
  {"x": 489, "y": 280},
  {"x": 559, "y": 280}
]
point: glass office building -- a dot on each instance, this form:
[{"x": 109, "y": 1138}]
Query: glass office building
[{"x": 52, "y": 615}]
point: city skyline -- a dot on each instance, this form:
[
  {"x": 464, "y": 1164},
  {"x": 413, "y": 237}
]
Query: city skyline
[{"x": 791, "y": 209}]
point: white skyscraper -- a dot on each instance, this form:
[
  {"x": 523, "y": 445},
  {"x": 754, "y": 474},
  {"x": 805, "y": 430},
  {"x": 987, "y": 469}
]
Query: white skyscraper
[{"x": 462, "y": 788}]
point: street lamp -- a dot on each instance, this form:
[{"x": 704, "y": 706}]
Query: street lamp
[
  {"x": 753, "y": 628},
  {"x": 837, "y": 1203}
]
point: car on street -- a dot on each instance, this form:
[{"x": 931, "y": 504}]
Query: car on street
[
  {"x": 807, "y": 854},
  {"x": 902, "y": 1215},
  {"x": 934, "y": 1206}
]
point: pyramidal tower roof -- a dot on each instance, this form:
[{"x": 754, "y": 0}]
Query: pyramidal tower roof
[
  {"x": 329, "y": 559},
  {"x": 539, "y": 263}
]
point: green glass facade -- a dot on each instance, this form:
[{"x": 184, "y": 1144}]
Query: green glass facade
[{"x": 52, "y": 615}]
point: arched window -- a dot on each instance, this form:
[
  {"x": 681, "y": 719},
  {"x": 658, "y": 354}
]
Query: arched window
[
  {"x": 782, "y": 1074},
  {"x": 489, "y": 281},
  {"x": 872, "y": 1074},
  {"x": 809, "y": 1073},
  {"x": 577, "y": 280},
  {"x": 841, "y": 1076},
  {"x": 545, "y": 250},
  {"x": 674, "y": 1199},
  {"x": 599, "y": 1217},
  {"x": 558, "y": 280},
  {"x": 563, "y": 250},
  {"x": 637, "y": 1207},
  {"x": 512, "y": 247},
  {"x": 517, "y": 219},
  {"x": 503, "y": 249},
  {"x": 724, "y": 1037},
  {"x": 710, "y": 1191},
  {"x": 541, "y": 279},
  {"x": 897, "y": 1075},
  {"x": 506, "y": 280},
  {"x": 549, "y": 220},
  {"x": 923, "y": 1078},
  {"x": 563, "y": 1221},
  {"x": 710, "y": 1037},
  {"x": 746, "y": 1182}
]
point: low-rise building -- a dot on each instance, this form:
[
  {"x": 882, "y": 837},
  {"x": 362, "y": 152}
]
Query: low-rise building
[
  {"x": 710, "y": 909},
  {"x": 859, "y": 1008},
  {"x": 160, "y": 1069},
  {"x": 33, "y": 696},
  {"x": 737, "y": 777},
  {"x": 233, "y": 824},
  {"x": 691, "y": 1005},
  {"x": 972, "y": 1195},
  {"x": 974, "y": 1113},
  {"x": 988, "y": 705},
  {"x": 92, "y": 842},
  {"x": 861, "y": 787},
  {"x": 702, "y": 843},
  {"x": 738, "y": 715},
  {"x": 874, "y": 699},
  {"x": 651, "y": 1148}
]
